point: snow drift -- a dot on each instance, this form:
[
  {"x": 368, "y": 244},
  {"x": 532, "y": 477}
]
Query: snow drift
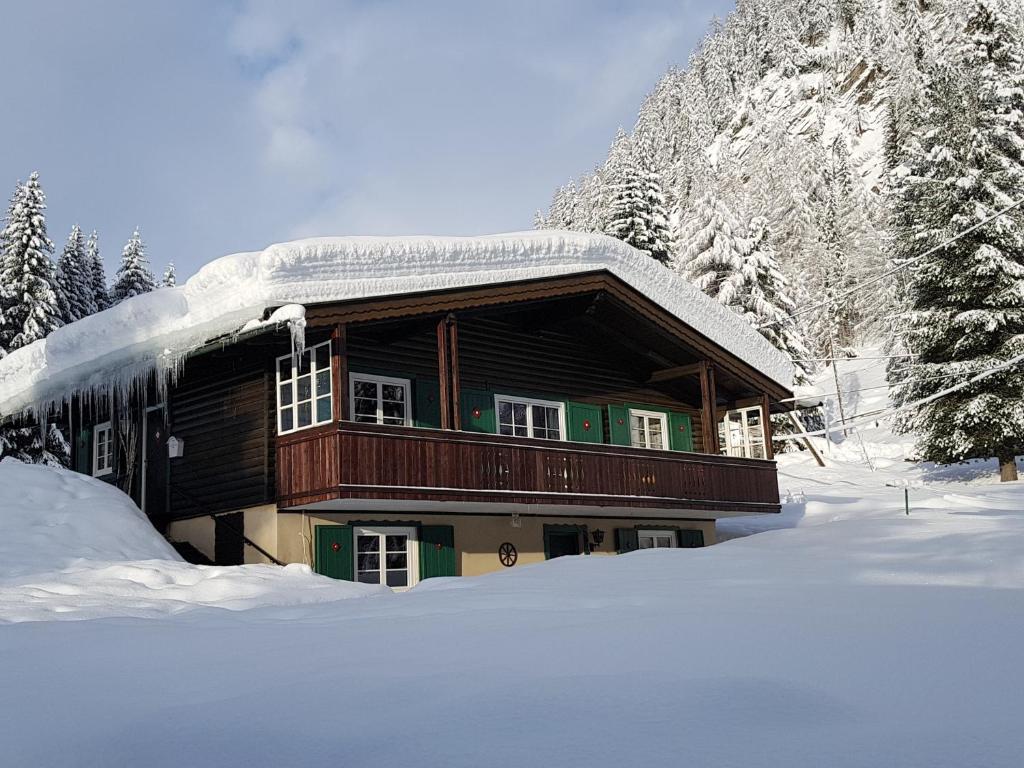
[
  {"x": 75, "y": 547},
  {"x": 157, "y": 330}
]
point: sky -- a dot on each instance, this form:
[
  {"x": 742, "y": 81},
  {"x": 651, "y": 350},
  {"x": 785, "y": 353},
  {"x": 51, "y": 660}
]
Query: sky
[{"x": 218, "y": 127}]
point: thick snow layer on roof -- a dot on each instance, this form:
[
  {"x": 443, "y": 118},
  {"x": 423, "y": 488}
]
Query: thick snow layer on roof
[{"x": 160, "y": 328}]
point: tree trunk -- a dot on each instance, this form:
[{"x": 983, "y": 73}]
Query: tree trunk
[{"x": 1007, "y": 470}]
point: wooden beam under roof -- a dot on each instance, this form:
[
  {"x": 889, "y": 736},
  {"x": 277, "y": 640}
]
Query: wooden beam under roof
[{"x": 677, "y": 372}]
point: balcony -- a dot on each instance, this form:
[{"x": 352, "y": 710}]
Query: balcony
[{"x": 350, "y": 461}]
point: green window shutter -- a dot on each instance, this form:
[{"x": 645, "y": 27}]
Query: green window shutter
[
  {"x": 478, "y": 411},
  {"x": 428, "y": 403},
  {"x": 690, "y": 538},
  {"x": 437, "y": 551},
  {"x": 626, "y": 540},
  {"x": 618, "y": 424},
  {"x": 83, "y": 451},
  {"x": 334, "y": 547},
  {"x": 680, "y": 432},
  {"x": 585, "y": 423}
]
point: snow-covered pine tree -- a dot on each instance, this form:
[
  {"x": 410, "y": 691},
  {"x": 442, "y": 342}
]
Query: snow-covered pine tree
[
  {"x": 28, "y": 312},
  {"x": 966, "y": 300},
  {"x": 766, "y": 299},
  {"x": 100, "y": 294},
  {"x": 133, "y": 276},
  {"x": 712, "y": 245},
  {"x": 170, "y": 279},
  {"x": 28, "y": 309},
  {"x": 636, "y": 206},
  {"x": 74, "y": 280}
]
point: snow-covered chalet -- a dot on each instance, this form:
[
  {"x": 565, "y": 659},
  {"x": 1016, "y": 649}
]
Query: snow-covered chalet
[{"x": 393, "y": 409}]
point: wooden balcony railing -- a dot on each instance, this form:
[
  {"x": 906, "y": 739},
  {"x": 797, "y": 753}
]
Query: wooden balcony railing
[{"x": 369, "y": 461}]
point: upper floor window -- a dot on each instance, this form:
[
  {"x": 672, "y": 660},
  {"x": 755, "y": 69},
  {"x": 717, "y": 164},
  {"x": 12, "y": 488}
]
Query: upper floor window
[
  {"x": 102, "y": 449},
  {"x": 648, "y": 429},
  {"x": 379, "y": 399},
  {"x": 304, "y": 390},
  {"x": 741, "y": 433},
  {"x": 526, "y": 417}
]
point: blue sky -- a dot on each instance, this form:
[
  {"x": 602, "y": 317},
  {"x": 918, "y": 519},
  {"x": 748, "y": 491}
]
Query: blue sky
[{"x": 226, "y": 126}]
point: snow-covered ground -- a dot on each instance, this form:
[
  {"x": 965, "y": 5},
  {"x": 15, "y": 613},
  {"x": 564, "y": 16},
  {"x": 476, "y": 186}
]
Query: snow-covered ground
[
  {"x": 853, "y": 635},
  {"x": 72, "y": 547}
]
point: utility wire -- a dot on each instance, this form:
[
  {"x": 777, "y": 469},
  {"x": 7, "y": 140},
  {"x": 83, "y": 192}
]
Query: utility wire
[
  {"x": 861, "y": 420},
  {"x": 900, "y": 268},
  {"x": 867, "y": 389}
]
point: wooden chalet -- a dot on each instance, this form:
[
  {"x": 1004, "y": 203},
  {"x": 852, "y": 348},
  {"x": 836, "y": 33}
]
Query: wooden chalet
[{"x": 450, "y": 432}]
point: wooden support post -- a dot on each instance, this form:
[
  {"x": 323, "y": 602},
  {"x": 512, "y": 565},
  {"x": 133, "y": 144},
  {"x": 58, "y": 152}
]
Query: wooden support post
[
  {"x": 453, "y": 364},
  {"x": 444, "y": 373},
  {"x": 339, "y": 371},
  {"x": 708, "y": 396},
  {"x": 766, "y": 410},
  {"x": 804, "y": 438}
]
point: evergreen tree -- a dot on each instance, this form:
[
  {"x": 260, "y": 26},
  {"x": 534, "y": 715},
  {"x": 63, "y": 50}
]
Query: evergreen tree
[
  {"x": 766, "y": 299},
  {"x": 74, "y": 280},
  {"x": 100, "y": 295},
  {"x": 170, "y": 279},
  {"x": 713, "y": 248},
  {"x": 133, "y": 276},
  {"x": 966, "y": 300},
  {"x": 28, "y": 308},
  {"x": 636, "y": 209}
]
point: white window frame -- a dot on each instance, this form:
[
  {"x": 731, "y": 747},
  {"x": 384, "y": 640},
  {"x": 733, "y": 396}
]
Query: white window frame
[
  {"x": 294, "y": 406},
  {"x": 528, "y": 402},
  {"x": 412, "y": 550},
  {"x": 656, "y": 533},
  {"x": 744, "y": 448},
  {"x": 663, "y": 418},
  {"x": 406, "y": 385},
  {"x": 100, "y": 469}
]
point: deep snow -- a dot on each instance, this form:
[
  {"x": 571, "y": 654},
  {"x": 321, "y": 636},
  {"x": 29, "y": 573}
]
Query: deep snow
[
  {"x": 73, "y": 547},
  {"x": 155, "y": 331}
]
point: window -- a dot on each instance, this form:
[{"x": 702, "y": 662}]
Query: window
[
  {"x": 379, "y": 400},
  {"x": 387, "y": 556},
  {"x": 102, "y": 449},
  {"x": 648, "y": 429},
  {"x": 656, "y": 539},
  {"x": 524, "y": 417},
  {"x": 304, "y": 391},
  {"x": 741, "y": 433}
]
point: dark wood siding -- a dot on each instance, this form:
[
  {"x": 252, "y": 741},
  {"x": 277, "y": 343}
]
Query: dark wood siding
[
  {"x": 222, "y": 408},
  {"x": 501, "y": 356}
]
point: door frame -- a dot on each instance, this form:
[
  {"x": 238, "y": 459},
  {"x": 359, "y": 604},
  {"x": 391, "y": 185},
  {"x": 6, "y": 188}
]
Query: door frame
[{"x": 580, "y": 530}]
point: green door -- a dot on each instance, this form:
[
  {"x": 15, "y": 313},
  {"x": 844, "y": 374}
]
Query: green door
[
  {"x": 437, "y": 551},
  {"x": 83, "y": 451},
  {"x": 334, "y": 551},
  {"x": 585, "y": 423}
]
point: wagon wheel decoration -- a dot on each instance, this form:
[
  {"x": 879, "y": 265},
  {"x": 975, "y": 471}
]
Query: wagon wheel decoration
[{"x": 507, "y": 554}]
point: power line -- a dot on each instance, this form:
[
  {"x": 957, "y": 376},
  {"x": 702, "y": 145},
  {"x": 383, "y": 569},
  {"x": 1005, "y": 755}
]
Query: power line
[
  {"x": 854, "y": 423},
  {"x": 900, "y": 268},
  {"x": 868, "y": 389},
  {"x": 849, "y": 359}
]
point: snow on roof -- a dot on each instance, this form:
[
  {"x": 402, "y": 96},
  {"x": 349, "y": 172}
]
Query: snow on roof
[{"x": 158, "y": 330}]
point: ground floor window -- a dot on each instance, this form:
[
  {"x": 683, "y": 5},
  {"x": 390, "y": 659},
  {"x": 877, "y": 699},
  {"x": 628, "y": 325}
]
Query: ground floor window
[
  {"x": 656, "y": 539},
  {"x": 648, "y": 429},
  {"x": 386, "y": 556},
  {"x": 524, "y": 417},
  {"x": 741, "y": 433},
  {"x": 102, "y": 449}
]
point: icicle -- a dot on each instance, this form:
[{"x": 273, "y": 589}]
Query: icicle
[{"x": 297, "y": 328}]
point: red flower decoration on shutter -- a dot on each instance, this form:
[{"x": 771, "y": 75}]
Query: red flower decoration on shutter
[
  {"x": 476, "y": 413},
  {"x": 336, "y": 547},
  {"x": 682, "y": 427},
  {"x": 620, "y": 421},
  {"x": 586, "y": 425}
]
